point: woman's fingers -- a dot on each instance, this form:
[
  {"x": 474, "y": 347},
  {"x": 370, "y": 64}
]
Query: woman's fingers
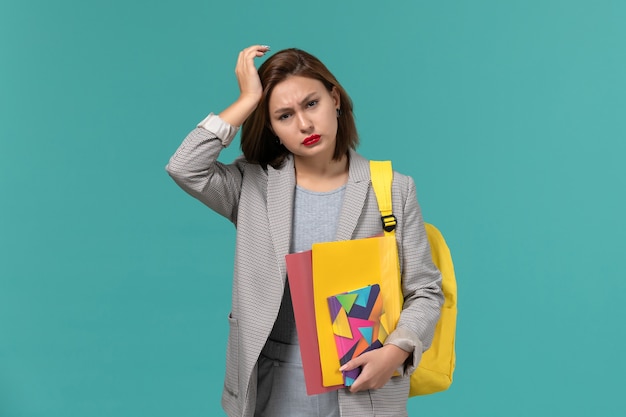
[
  {"x": 247, "y": 75},
  {"x": 377, "y": 367},
  {"x": 250, "y": 86},
  {"x": 258, "y": 50}
]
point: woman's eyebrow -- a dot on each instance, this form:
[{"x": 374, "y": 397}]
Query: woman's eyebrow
[{"x": 302, "y": 103}]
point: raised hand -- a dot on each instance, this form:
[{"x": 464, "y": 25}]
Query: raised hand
[
  {"x": 250, "y": 89},
  {"x": 247, "y": 75}
]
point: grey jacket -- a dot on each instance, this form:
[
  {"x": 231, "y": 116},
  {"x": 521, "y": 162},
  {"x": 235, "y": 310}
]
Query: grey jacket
[{"x": 259, "y": 203}]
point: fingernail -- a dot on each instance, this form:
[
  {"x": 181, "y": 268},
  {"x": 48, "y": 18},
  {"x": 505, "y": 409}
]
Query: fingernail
[
  {"x": 266, "y": 47},
  {"x": 342, "y": 368}
]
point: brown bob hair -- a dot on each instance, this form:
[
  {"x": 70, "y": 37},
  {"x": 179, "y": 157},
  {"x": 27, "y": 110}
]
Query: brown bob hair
[{"x": 258, "y": 142}]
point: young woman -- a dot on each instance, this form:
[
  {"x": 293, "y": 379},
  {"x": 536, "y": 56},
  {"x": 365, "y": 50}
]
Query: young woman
[{"x": 300, "y": 181}]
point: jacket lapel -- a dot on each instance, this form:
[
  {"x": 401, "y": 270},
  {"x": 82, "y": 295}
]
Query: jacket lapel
[
  {"x": 280, "y": 189},
  {"x": 356, "y": 193}
]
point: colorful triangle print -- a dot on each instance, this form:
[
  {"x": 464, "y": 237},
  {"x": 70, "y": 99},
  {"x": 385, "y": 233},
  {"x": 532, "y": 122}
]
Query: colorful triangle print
[
  {"x": 335, "y": 307},
  {"x": 367, "y": 333},
  {"x": 347, "y": 301},
  {"x": 363, "y": 296},
  {"x": 356, "y": 324},
  {"x": 341, "y": 325}
]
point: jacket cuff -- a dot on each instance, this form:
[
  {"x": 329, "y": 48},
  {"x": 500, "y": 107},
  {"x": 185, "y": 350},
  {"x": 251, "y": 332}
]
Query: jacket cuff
[
  {"x": 222, "y": 130},
  {"x": 408, "y": 341}
]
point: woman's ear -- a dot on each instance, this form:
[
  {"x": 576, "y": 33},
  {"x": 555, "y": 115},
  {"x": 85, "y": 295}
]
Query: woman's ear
[{"x": 334, "y": 93}]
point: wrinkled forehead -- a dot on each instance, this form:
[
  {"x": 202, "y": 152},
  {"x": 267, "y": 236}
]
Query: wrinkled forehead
[{"x": 293, "y": 90}]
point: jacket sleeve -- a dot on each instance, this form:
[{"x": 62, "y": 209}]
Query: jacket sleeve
[
  {"x": 194, "y": 167},
  {"x": 421, "y": 285}
]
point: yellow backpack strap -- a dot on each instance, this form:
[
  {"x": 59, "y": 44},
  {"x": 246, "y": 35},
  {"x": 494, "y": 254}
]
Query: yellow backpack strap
[{"x": 382, "y": 177}]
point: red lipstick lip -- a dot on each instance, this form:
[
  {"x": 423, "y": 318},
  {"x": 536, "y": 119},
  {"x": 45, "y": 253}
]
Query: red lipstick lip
[{"x": 311, "y": 140}]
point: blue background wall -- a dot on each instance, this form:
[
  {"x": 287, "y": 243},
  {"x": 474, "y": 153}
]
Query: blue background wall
[{"x": 510, "y": 115}]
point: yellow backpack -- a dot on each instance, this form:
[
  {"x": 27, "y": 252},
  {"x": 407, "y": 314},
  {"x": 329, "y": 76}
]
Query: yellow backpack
[{"x": 435, "y": 370}]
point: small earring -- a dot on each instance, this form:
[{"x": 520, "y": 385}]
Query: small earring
[
  {"x": 277, "y": 140},
  {"x": 338, "y": 113}
]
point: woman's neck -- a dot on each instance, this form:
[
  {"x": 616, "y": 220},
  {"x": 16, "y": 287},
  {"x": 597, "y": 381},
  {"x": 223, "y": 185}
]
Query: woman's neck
[{"x": 321, "y": 175}]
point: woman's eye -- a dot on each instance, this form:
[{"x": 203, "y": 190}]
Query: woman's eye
[
  {"x": 312, "y": 103},
  {"x": 283, "y": 116}
]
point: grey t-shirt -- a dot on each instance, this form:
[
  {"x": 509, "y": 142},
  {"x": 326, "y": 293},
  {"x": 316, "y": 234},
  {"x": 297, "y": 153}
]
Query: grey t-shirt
[{"x": 315, "y": 217}]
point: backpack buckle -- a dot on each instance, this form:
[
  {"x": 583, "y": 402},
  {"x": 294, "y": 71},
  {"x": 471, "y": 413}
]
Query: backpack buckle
[{"x": 389, "y": 222}]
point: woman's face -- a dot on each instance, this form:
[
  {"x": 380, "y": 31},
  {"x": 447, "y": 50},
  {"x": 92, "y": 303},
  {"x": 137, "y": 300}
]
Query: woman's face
[{"x": 303, "y": 114}]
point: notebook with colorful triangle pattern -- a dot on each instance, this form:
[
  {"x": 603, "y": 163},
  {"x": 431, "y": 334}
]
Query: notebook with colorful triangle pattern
[{"x": 356, "y": 317}]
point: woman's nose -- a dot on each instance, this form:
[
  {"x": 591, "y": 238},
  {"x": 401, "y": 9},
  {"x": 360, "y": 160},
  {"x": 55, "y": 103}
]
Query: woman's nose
[{"x": 304, "y": 123}]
